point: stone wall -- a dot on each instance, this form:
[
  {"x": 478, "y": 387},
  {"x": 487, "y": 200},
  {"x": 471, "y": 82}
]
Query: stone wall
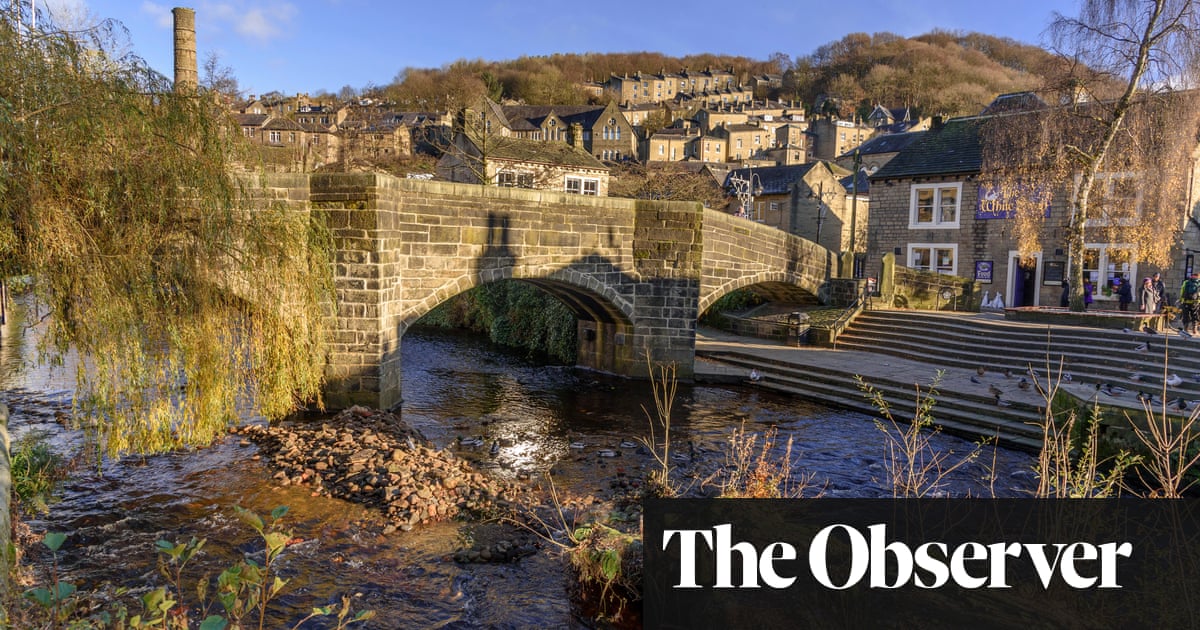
[{"x": 635, "y": 273}]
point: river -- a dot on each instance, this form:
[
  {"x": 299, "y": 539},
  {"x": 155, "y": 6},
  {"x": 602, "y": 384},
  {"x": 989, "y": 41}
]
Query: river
[{"x": 454, "y": 386}]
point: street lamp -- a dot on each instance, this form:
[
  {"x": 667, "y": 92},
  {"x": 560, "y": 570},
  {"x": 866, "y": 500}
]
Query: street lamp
[{"x": 745, "y": 189}]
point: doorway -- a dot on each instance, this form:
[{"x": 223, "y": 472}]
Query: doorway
[{"x": 1023, "y": 280}]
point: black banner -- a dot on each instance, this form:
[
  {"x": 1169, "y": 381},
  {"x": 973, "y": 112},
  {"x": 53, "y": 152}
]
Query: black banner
[{"x": 845, "y": 563}]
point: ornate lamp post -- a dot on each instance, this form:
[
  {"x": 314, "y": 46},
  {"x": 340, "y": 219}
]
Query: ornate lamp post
[{"x": 746, "y": 189}]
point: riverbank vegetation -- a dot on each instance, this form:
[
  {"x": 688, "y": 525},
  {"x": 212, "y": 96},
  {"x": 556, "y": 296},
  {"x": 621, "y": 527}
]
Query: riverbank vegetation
[
  {"x": 512, "y": 314},
  {"x": 148, "y": 254}
]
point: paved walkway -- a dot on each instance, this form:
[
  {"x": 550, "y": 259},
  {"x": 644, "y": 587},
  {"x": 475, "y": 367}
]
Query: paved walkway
[{"x": 870, "y": 364}]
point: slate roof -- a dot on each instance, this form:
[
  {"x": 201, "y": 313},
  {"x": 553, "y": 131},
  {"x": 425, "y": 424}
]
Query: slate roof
[
  {"x": 251, "y": 120},
  {"x": 283, "y": 124},
  {"x": 556, "y": 153},
  {"x": 530, "y": 117},
  {"x": 886, "y": 143},
  {"x": 775, "y": 180},
  {"x": 864, "y": 184},
  {"x": 953, "y": 149}
]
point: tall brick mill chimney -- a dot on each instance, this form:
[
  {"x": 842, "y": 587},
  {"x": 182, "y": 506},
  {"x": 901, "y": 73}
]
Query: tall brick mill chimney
[{"x": 187, "y": 77}]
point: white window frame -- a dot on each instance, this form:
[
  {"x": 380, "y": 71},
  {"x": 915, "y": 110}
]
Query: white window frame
[
  {"x": 274, "y": 137},
  {"x": 1103, "y": 273},
  {"x": 1100, "y": 191},
  {"x": 936, "y": 266},
  {"x": 588, "y": 186},
  {"x": 935, "y": 224}
]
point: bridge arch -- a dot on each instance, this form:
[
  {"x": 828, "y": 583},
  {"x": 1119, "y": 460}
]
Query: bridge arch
[{"x": 636, "y": 273}]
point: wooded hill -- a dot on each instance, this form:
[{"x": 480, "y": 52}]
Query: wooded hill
[{"x": 940, "y": 72}]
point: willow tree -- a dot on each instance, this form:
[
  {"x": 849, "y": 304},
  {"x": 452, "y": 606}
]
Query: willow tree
[
  {"x": 190, "y": 302},
  {"x": 1117, "y": 138}
]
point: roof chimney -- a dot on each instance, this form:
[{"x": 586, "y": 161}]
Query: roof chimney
[{"x": 186, "y": 74}]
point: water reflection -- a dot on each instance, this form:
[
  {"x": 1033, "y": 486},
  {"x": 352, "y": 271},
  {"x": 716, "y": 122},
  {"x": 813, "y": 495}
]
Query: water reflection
[{"x": 463, "y": 395}]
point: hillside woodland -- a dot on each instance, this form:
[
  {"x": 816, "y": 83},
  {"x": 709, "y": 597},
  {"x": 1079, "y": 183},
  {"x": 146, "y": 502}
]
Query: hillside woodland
[{"x": 941, "y": 72}]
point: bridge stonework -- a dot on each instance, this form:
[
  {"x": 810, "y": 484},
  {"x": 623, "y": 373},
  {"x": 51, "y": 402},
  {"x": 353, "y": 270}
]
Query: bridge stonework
[{"x": 637, "y": 274}]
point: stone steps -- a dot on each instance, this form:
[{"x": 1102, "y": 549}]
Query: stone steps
[
  {"x": 967, "y": 415},
  {"x": 1090, "y": 355}
]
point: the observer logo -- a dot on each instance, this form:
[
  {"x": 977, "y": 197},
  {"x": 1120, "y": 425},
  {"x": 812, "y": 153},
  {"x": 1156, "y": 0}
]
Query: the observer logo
[{"x": 886, "y": 563}]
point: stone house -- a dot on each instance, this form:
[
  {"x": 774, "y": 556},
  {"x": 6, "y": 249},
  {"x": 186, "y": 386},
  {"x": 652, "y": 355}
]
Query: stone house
[
  {"x": 523, "y": 163},
  {"x": 601, "y": 131},
  {"x": 808, "y": 200},
  {"x": 673, "y": 144},
  {"x": 932, "y": 213},
  {"x": 833, "y": 137},
  {"x": 708, "y": 86},
  {"x": 744, "y": 142}
]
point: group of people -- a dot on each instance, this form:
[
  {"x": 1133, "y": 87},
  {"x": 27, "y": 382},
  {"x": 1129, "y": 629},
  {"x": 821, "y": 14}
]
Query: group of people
[{"x": 1151, "y": 298}]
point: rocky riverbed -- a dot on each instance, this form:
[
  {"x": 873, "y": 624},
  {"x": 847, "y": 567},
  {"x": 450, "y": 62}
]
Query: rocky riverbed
[{"x": 373, "y": 458}]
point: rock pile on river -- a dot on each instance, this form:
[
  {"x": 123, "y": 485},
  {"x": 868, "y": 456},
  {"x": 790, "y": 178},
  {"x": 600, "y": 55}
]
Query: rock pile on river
[{"x": 373, "y": 458}]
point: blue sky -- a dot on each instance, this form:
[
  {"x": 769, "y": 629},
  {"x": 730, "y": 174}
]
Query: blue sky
[{"x": 308, "y": 45}]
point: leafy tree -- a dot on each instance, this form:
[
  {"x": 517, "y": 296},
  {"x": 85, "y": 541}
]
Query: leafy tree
[
  {"x": 118, "y": 198},
  {"x": 1119, "y": 137}
]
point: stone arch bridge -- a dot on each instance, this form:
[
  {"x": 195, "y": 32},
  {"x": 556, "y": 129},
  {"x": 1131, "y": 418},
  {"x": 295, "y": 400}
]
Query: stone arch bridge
[{"x": 636, "y": 273}]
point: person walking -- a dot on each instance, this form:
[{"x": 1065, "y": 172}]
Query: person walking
[
  {"x": 1124, "y": 292},
  {"x": 1189, "y": 302},
  {"x": 1164, "y": 299},
  {"x": 1087, "y": 294},
  {"x": 1149, "y": 296}
]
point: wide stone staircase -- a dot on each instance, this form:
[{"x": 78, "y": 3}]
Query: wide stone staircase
[{"x": 1111, "y": 367}]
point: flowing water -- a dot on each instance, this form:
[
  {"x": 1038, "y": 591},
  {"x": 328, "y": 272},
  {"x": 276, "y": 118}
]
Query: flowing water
[{"x": 454, "y": 386}]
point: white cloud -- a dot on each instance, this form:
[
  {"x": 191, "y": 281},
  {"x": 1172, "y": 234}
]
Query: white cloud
[
  {"x": 255, "y": 21},
  {"x": 160, "y": 13}
]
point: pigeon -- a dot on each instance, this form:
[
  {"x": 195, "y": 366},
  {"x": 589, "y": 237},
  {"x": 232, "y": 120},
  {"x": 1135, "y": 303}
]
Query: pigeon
[
  {"x": 495, "y": 447},
  {"x": 1183, "y": 333},
  {"x": 1144, "y": 397},
  {"x": 1135, "y": 377},
  {"x": 975, "y": 379},
  {"x": 1126, "y": 330},
  {"x": 995, "y": 391},
  {"x": 1173, "y": 380},
  {"x": 1178, "y": 403},
  {"x": 578, "y": 445},
  {"x": 1066, "y": 377},
  {"x": 981, "y": 370},
  {"x": 1116, "y": 389},
  {"x": 1142, "y": 347},
  {"x": 1024, "y": 384},
  {"x": 1148, "y": 330},
  {"x": 1007, "y": 373},
  {"x": 628, "y": 444},
  {"x": 1002, "y": 403},
  {"x": 754, "y": 375}
]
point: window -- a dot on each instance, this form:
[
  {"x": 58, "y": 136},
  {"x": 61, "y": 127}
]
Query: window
[
  {"x": 1103, "y": 262},
  {"x": 774, "y": 206},
  {"x": 583, "y": 186},
  {"x": 739, "y": 143},
  {"x": 1117, "y": 200},
  {"x": 273, "y": 137},
  {"x": 939, "y": 257},
  {"x": 292, "y": 137},
  {"x": 249, "y": 131},
  {"x": 514, "y": 180},
  {"x": 661, "y": 149},
  {"x": 935, "y": 205}
]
